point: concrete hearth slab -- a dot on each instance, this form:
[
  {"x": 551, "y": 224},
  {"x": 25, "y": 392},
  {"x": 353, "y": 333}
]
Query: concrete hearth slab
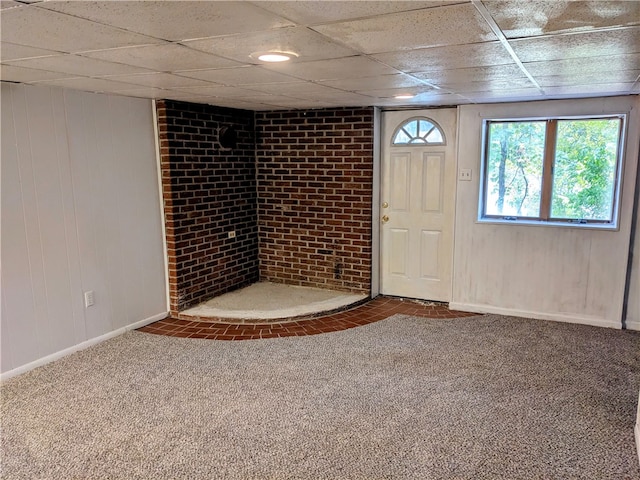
[{"x": 268, "y": 301}]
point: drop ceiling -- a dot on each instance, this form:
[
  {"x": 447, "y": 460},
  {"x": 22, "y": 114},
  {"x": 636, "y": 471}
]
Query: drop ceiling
[{"x": 349, "y": 53}]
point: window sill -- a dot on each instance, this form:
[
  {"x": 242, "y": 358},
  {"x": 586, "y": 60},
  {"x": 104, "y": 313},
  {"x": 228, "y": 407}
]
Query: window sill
[{"x": 609, "y": 227}]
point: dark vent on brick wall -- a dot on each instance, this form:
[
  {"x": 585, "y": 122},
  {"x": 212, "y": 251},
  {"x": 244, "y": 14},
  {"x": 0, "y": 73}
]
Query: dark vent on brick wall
[{"x": 228, "y": 137}]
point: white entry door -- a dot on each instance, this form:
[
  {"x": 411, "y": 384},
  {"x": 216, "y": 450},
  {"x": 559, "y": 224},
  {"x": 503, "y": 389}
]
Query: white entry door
[{"x": 418, "y": 203}]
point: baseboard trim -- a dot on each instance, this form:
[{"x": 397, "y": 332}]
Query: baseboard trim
[
  {"x": 81, "y": 346},
  {"x": 637, "y": 435},
  {"x": 557, "y": 317},
  {"x": 633, "y": 325}
]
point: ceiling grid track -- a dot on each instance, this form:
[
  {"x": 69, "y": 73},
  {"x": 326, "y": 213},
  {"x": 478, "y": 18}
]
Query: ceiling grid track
[{"x": 482, "y": 10}]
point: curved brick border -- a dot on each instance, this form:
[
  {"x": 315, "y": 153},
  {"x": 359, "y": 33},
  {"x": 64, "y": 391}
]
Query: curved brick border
[{"x": 372, "y": 311}]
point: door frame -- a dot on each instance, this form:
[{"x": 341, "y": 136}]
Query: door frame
[
  {"x": 375, "y": 204},
  {"x": 376, "y": 231}
]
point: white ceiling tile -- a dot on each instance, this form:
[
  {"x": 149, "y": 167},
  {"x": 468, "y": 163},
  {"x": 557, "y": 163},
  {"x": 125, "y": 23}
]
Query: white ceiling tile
[
  {"x": 335, "y": 97},
  {"x": 472, "y": 74},
  {"x": 4, "y": 4},
  {"x": 293, "y": 89},
  {"x": 11, "y": 51},
  {"x": 253, "y": 107},
  {"x": 372, "y": 83},
  {"x": 392, "y": 92},
  {"x": 76, "y": 65},
  {"x": 593, "y": 78},
  {"x": 88, "y": 84},
  {"x": 454, "y": 56},
  {"x": 299, "y": 103},
  {"x": 307, "y": 44},
  {"x": 542, "y": 17},
  {"x": 175, "y": 20},
  {"x": 603, "y": 58},
  {"x": 247, "y": 75},
  {"x": 366, "y": 102},
  {"x": 425, "y": 99},
  {"x": 265, "y": 99},
  {"x": 602, "y": 89},
  {"x": 168, "y": 57},
  {"x": 488, "y": 85},
  {"x": 35, "y": 27},
  {"x": 580, "y": 66},
  {"x": 235, "y": 103},
  {"x": 313, "y": 95},
  {"x": 307, "y": 13},
  {"x": 431, "y": 27},
  {"x": 158, "y": 80},
  {"x": 577, "y": 45},
  {"x": 512, "y": 95},
  {"x": 20, "y": 74},
  {"x": 186, "y": 96},
  {"x": 144, "y": 92},
  {"x": 351, "y": 67},
  {"x": 218, "y": 91}
]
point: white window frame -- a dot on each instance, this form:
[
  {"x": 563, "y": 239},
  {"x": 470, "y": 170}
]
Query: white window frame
[{"x": 592, "y": 224}]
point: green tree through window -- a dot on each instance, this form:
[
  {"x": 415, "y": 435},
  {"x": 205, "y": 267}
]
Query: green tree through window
[
  {"x": 585, "y": 169},
  {"x": 552, "y": 169},
  {"x": 516, "y": 155}
]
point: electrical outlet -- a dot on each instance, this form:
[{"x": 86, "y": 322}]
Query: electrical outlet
[
  {"x": 89, "y": 299},
  {"x": 464, "y": 174},
  {"x": 232, "y": 234}
]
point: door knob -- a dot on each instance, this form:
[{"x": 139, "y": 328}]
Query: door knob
[
  {"x": 385, "y": 219},
  {"x": 385, "y": 205}
]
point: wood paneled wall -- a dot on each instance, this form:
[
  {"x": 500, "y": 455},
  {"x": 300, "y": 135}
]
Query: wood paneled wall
[
  {"x": 80, "y": 211},
  {"x": 633, "y": 302},
  {"x": 559, "y": 273}
]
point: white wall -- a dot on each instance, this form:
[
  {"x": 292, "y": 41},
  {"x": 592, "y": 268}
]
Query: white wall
[
  {"x": 633, "y": 305},
  {"x": 558, "y": 273},
  {"x": 80, "y": 211},
  {"x": 637, "y": 429}
]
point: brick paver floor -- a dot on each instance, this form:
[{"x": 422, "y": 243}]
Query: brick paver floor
[{"x": 372, "y": 311}]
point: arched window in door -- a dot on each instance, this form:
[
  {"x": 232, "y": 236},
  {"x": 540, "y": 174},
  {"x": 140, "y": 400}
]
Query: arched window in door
[{"x": 418, "y": 131}]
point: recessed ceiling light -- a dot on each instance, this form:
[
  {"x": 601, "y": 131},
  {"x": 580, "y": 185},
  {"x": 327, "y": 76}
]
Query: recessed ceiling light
[
  {"x": 404, "y": 96},
  {"x": 273, "y": 57}
]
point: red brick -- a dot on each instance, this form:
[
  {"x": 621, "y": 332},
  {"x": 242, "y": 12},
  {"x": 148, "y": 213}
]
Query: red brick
[
  {"x": 302, "y": 215},
  {"x": 202, "y": 186}
]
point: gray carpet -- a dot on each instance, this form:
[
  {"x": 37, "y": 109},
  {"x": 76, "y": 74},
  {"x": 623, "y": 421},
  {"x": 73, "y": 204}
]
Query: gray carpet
[{"x": 482, "y": 397}]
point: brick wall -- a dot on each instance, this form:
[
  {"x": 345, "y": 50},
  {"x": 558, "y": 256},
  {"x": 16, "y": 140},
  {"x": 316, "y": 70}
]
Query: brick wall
[
  {"x": 315, "y": 179},
  {"x": 208, "y": 191}
]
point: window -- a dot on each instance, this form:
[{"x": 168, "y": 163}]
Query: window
[
  {"x": 418, "y": 131},
  {"x": 559, "y": 170}
]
